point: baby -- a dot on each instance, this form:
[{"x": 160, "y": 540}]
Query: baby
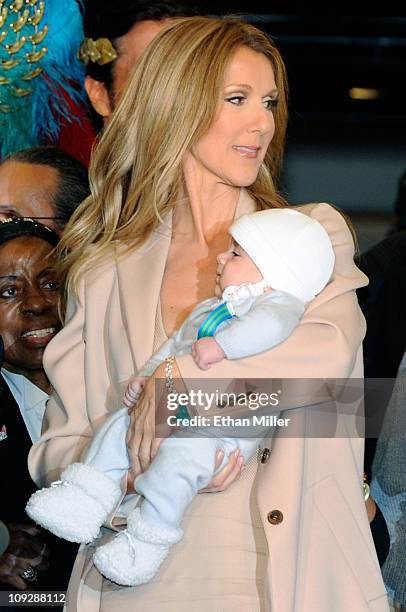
[{"x": 280, "y": 260}]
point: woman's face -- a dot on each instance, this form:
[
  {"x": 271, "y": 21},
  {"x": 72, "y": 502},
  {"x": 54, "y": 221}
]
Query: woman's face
[
  {"x": 29, "y": 292},
  {"x": 233, "y": 149}
]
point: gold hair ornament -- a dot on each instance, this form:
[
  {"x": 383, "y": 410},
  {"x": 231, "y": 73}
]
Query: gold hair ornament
[
  {"x": 9, "y": 64},
  {"x": 34, "y": 73},
  {"x": 18, "y": 25},
  {"x": 100, "y": 51},
  {"x": 38, "y": 14},
  {"x": 3, "y": 16}
]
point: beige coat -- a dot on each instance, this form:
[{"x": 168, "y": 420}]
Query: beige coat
[{"x": 321, "y": 556}]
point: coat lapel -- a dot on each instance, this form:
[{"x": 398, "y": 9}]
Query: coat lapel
[{"x": 140, "y": 275}]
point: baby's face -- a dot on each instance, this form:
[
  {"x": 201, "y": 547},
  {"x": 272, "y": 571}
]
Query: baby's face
[{"x": 235, "y": 267}]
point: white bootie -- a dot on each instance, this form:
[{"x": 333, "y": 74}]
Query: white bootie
[
  {"x": 75, "y": 507},
  {"x": 133, "y": 557}
]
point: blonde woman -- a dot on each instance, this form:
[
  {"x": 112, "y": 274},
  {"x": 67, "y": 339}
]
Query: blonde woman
[{"x": 196, "y": 141}]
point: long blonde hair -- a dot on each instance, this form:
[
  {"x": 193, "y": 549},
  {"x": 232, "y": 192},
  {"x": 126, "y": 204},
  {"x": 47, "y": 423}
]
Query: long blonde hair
[{"x": 170, "y": 102}]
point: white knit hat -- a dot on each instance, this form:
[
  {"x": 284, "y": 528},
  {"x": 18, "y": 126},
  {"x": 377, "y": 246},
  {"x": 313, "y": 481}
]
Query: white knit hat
[{"x": 292, "y": 251}]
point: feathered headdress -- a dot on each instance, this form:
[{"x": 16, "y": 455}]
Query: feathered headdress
[{"x": 39, "y": 70}]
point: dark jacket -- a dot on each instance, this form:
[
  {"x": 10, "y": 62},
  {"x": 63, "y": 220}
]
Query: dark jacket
[
  {"x": 383, "y": 303},
  {"x": 17, "y": 486}
]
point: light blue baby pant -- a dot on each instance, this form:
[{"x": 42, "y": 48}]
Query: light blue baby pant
[{"x": 184, "y": 464}]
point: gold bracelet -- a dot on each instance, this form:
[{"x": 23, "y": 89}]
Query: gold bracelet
[{"x": 170, "y": 387}]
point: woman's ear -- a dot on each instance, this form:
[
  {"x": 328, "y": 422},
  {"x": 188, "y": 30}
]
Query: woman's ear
[{"x": 98, "y": 96}]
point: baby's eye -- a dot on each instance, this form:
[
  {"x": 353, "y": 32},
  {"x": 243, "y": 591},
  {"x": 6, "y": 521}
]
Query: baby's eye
[
  {"x": 235, "y": 253},
  {"x": 236, "y": 100}
]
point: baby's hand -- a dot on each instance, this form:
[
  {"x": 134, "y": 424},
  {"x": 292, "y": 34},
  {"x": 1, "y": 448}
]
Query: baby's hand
[
  {"x": 133, "y": 392},
  {"x": 207, "y": 351}
]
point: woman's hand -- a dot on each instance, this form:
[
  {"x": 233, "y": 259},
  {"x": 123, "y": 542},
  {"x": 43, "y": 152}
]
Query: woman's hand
[
  {"x": 148, "y": 419},
  {"x": 220, "y": 482},
  {"x": 143, "y": 444},
  {"x": 229, "y": 474},
  {"x": 26, "y": 548}
]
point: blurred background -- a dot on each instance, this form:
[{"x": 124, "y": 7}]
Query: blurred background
[
  {"x": 347, "y": 77},
  {"x": 346, "y": 141}
]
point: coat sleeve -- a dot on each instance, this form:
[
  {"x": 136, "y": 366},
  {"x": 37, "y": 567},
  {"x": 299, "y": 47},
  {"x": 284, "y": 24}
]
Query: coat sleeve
[
  {"x": 63, "y": 440},
  {"x": 86, "y": 386},
  {"x": 167, "y": 349},
  {"x": 327, "y": 340}
]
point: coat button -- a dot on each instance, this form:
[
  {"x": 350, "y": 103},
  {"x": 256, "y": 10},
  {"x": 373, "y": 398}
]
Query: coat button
[
  {"x": 275, "y": 517},
  {"x": 265, "y": 454}
]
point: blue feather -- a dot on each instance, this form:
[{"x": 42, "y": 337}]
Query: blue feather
[{"x": 36, "y": 117}]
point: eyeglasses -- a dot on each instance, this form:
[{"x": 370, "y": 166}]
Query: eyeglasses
[
  {"x": 12, "y": 216},
  {"x": 54, "y": 218}
]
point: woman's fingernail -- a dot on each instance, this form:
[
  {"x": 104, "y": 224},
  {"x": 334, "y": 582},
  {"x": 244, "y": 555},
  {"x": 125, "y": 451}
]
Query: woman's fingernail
[
  {"x": 236, "y": 453},
  {"x": 240, "y": 462},
  {"x": 220, "y": 454}
]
